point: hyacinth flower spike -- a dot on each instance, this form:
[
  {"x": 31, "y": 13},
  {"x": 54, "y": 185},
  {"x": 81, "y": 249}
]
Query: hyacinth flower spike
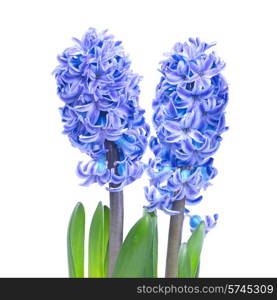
[
  {"x": 189, "y": 118},
  {"x": 102, "y": 118}
]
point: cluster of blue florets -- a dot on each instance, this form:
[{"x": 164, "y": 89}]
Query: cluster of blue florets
[
  {"x": 100, "y": 95},
  {"x": 189, "y": 118}
]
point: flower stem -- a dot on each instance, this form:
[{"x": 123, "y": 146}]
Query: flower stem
[
  {"x": 116, "y": 210},
  {"x": 174, "y": 239}
]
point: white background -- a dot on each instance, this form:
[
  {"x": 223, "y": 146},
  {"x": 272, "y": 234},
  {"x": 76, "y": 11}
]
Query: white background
[{"x": 39, "y": 188}]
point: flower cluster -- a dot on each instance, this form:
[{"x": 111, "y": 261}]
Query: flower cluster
[
  {"x": 100, "y": 95},
  {"x": 189, "y": 119}
]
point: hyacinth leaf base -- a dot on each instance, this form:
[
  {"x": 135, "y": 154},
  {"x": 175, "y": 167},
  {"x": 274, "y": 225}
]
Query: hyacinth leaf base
[
  {"x": 189, "y": 254},
  {"x": 138, "y": 257},
  {"x": 152, "y": 266},
  {"x": 75, "y": 242},
  {"x": 98, "y": 242}
]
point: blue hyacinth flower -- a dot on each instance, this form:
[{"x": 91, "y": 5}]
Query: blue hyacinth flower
[
  {"x": 101, "y": 103},
  {"x": 189, "y": 119}
]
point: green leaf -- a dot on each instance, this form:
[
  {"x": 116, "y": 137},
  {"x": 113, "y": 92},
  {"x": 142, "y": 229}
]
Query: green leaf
[
  {"x": 75, "y": 242},
  {"x": 155, "y": 248},
  {"x": 152, "y": 265},
  {"x": 106, "y": 263},
  {"x": 195, "y": 244},
  {"x": 137, "y": 247},
  {"x": 198, "y": 269},
  {"x": 106, "y": 239},
  {"x": 189, "y": 254},
  {"x": 98, "y": 242},
  {"x": 184, "y": 268}
]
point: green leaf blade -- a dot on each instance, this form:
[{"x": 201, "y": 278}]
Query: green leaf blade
[
  {"x": 151, "y": 270},
  {"x": 75, "y": 242},
  {"x": 134, "y": 255},
  {"x": 106, "y": 239},
  {"x": 98, "y": 240},
  {"x": 155, "y": 247},
  {"x": 189, "y": 254},
  {"x": 195, "y": 244},
  {"x": 184, "y": 268}
]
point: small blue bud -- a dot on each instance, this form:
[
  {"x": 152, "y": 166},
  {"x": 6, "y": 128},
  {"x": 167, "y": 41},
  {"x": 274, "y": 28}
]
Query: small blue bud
[{"x": 195, "y": 221}]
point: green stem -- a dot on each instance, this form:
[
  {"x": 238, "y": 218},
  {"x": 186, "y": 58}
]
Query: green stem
[
  {"x": 116, "y": 210},
  {"x": 174, "y": 239}
]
